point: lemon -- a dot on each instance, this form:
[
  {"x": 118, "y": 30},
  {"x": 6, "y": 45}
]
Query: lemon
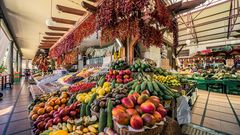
[
  {"x": 106, "y": 84},
  {"x": 101, "y": 92}
]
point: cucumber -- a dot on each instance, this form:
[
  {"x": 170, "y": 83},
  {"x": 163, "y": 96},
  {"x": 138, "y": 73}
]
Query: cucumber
[
  {"x": 157, "y": 89},
  {"x": 109, "y": 114},
  {"x": 137, "y": 88},
  {"x": 92, "y": 98},
  {"x": 143, "y": 85},
  {"x": 150, "y": 86},
  {"x": 88, "y": 112},
  {"x": 131, "y": 92},
  {"x": 134, "y": 85},
  {"x": 131, "y": 83},
  {"x": 101, "y": 81},
  {"x": 83, "y": 110},
  {"x": 102, "y": 120},
  {"x": 113, "y": 85}
]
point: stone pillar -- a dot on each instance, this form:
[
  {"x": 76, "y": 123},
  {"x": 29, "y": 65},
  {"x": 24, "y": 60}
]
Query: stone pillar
[
  {"x": 17, "y": 61},
  {"x": 11, "y": 61}
]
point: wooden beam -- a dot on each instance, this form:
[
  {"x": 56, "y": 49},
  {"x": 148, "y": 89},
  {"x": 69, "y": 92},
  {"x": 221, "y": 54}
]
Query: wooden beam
[
  {"x": 65, "y": 21},
  {"x": 54, "y": 34},
  {"x": 212, "y": 21},
  {"x": 51, "y": 37},
  {"x": 89, "y": 7},
  {"x": 93, "y": 0},
  {"x": 47, "y": 43},
  {"x": 58, "y": 28},
  {"x": 49, "y": 40},
  {"x": 71, "y": 10}
]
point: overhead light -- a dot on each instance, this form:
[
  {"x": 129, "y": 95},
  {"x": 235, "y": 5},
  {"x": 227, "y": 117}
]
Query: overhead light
[
  {"x": 188, "y": 42},
  {"x": 119, "y": 42},
  {"x": 50, "y": 22}
]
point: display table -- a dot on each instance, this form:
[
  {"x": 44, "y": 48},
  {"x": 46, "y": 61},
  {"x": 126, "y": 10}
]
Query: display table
[{"x": 5, "y": 80}]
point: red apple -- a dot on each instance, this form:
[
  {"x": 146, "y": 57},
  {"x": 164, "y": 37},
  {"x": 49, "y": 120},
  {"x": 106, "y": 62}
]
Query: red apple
[
  {"x": 136, "y": 122},
  {"x": 142, "y": 99},
  {"x": 148, "y": 107},
  {"x": 56, "y": 120},
  {"x": 121, "y": 107},
  {"x": 122, "y": 118},
  {"x": 131, "y": 112},
  {"x": 73, "y": 113},
  {"x": 157, "y": 116},
  {"x": 128, "y": 103},
  {"x": 138, "y": 109},
  {"x": 133, "y": 98},
  {"x": 65, "y": 118},
  {"x": 162, "y": 111},
  {"x": 145, "y": 92},
  {"x": 115, "y": 111},
  {"x": 148, "y": 119}
]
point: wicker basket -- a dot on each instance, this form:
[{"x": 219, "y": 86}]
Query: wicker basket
[{"x": 124, "y": 131}]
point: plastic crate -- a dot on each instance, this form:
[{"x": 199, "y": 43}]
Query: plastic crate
[
  {"x": 219, "y": 90},
  {"x": 232, "y": 86},
  {"x": 202, "y": 86}
]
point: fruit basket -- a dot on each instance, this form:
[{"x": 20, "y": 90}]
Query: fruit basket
[{"x": 156, "y": 130}]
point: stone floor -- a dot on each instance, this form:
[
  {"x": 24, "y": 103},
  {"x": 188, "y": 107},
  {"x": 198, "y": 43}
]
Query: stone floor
[
  {"x": 13, "y": 111},
  {"x": 217, "y": 111}
]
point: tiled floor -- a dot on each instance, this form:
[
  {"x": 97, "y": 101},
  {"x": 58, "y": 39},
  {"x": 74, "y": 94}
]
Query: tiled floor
[
  {"x": 217, "y": 111},
  {"x": 13, "y": 111}
]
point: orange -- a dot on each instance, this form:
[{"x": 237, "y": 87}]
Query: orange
[
  {"x": 35, "y": 109},
  {"x": 41, "y": 111},
  {"x": 41, "y": 104},
  {"x": 49, "y": 109},
  {"x": 58, "y": 102},
  {"x": 34, "y": 117},
  {"x": 51, "y": 103},
  {"x": 63, "y": 105},
  {"x": 63, "y": 100},
  {"x": 64, "y": 95},
  {"x": 56, "y": 107}
]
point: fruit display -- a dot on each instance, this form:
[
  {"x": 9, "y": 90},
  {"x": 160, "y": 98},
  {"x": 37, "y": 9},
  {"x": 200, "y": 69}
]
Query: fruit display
[
  {"x": 82, "y": 87},
  {"x": 119, "y": 76},
  {"x": 115, "y": 95},
  {"x": 169, "y": 80},
  {"x": 93, "y": 101},
  {"x": 139, "y": 66},
  {"x": 119, "y": 65},
  {"x": 87, "y": 72},
  {"x": 138, "y": 111},
  {"x": 153, "y": 87},
  {"x": 99, "y": 91},
  {"x": 45, "y": 115}
]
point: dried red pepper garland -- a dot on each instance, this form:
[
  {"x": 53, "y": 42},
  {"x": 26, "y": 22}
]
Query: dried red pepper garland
[
  {"x": 115, "y": 17},
  {"x": 84, "y": 30}
]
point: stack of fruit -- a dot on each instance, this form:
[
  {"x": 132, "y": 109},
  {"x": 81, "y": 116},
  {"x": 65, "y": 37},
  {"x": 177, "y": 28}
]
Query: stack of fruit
[
  {"x": 119, "y": 65},
  {"x": 100, "y": 91},
  {"x": 115, "y": 95},
  {"x": 82, "y": 87},
  {"x": 169, "y": 80},
  {"x": 45, "y": 116},
  {"x": 139, "y": 111},
  {"x": 140, "y": 67},
  {"x": 122, "y": 76}
]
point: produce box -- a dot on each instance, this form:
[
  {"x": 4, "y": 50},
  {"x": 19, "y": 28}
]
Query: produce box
[{"x": 232, "y": 86}]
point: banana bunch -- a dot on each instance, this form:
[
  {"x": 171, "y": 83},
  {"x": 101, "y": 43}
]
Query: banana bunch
[{"x": 67, "y": 127}]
